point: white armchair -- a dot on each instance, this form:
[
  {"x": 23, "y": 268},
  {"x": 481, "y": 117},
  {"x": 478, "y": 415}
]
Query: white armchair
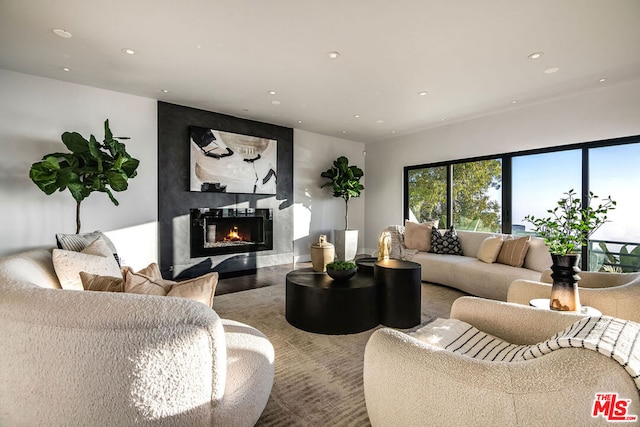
[
  {"x": 614, "y": 294},
  {"x": 409, "y": 382},
  {"x": 114, "y": 359}
]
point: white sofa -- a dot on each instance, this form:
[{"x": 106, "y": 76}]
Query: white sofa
[
  {"x": 476, "y": 277},
  {"x": 413, "y": 381},
  {"x": 99, "y": 358}
]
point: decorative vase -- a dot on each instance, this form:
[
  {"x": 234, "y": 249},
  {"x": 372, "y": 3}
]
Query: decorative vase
[
  {"x": 346, "y": 243},
  {"x": 322, "y": 253},
  {"x": 564, "y": 292}
]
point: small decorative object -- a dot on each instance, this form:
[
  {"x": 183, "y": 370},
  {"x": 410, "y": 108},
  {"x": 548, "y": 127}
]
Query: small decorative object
[
  {"x": 341, "y": 271},
  {"x": 345, "y": 183},
  {"x": 322, "y": 253},
  {"x": 565, "y": 232},
  {"x": 384, "y": 246},
  {"x": 89, "y": 167}
]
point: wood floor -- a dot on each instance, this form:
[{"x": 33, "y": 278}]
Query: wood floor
[{"x": 439, "y": 298}]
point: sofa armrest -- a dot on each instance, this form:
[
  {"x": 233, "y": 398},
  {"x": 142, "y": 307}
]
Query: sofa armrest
[
  {"x": 523, "y": 291},
  {"x": 408, "y": 382},
  {"x": 81, "y": 357},
  {"x": 515, "y": 323}
]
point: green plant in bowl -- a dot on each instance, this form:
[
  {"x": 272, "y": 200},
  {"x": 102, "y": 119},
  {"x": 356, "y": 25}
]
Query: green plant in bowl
[{"x": 341, "y": 271}]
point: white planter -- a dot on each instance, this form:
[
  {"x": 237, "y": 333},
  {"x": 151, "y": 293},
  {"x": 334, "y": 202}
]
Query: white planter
[{"x": 346, "y": 244}]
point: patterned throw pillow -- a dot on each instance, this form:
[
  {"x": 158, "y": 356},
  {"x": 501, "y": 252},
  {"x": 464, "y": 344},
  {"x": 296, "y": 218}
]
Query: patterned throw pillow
[
  {"x": 448, "y": 244},
  {"x": 77, "y": 242}
]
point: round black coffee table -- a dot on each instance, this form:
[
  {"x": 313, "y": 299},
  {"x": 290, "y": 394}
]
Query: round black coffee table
[{"x": 317, "y": 303}]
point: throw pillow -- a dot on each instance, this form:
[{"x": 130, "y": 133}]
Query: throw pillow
[
  {"x": 77, "y": 242},
  {"x": 490, "y": 249},
  {"x": 448, "y": 244},
  {"x": 94, "y": 282},
  {"x": 200, "y": 289},
  {"x": 146, "y": 284},
  {"x": 513, "y": 251},
  {"x": 418, "y": 236},
  {"x": 94, "y": 259}
]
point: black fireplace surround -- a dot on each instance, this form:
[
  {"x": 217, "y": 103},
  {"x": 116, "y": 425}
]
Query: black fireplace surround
[{"x": 217, "y": 231}]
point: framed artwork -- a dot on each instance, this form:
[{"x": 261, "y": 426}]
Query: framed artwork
[{"x": 225, "y": 162}]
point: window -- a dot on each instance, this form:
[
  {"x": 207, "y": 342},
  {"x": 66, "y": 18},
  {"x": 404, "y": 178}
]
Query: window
[
  {"x": 496, "y": 194},
  {"x": 427, "y": 188},
  {"x": 476, "y": 195}
]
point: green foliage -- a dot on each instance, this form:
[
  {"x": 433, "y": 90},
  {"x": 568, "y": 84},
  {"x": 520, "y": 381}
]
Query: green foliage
[
  {"x": 341, "y": 265},
  {"x": 569, "y": 226},
  {"x": 627, "y": 261},
  {"x": 90, "y": 166},
  {"x": 472, "y": 206},
  {"x": 344, "y": 182}
]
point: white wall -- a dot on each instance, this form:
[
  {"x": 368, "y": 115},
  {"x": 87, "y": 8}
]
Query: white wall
[
  {"x": 34, "y": 112},
  {"x": 608, "y": 112},
  {"x": 316, "y": 211}
]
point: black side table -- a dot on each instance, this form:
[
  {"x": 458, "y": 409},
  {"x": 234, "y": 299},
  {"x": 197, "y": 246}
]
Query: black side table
[
  {"x": 400, "y": 290},
  {"x": 317, "y": 303}
]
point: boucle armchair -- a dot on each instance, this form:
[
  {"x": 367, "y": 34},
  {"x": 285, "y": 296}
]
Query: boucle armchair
[
  {"x": 614, "y": 294},
  {"x": 410, "y": 381},
  {"x": 97, "y": 358}
]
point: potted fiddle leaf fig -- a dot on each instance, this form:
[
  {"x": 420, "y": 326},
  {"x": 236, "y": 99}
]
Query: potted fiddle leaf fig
[
  {"x": 565, "y": 232},
  {"x": 89, "y": 166},
  {"x": 344, "y": 182}
]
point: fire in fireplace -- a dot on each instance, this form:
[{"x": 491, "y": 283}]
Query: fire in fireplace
[{"x": 217, "y": 231}]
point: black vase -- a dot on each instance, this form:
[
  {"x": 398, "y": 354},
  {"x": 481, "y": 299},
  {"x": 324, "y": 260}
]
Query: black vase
[{"x": 564, "y": 293}]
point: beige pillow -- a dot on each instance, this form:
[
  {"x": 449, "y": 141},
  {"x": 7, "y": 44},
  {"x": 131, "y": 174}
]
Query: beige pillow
[
  {"x": 418, "y": 236},
  {"x": 199, "y": 289},
  {"x": 513, "y": 251},
  {"x": 96, "y": 258},
  {"x": 93, "y": 282},
  {"x": 146, "y": 284},
  {"x": 490, "y": 249}
]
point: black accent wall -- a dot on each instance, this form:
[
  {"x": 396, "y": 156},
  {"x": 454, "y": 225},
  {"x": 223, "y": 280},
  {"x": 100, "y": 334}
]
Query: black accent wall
[{"x": 175, "y": 200}]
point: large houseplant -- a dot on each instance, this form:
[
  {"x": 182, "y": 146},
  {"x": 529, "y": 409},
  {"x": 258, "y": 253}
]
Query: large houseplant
[
  {"x": 566, "y": 231},
  {"x": 344, "y": 181},
  {"x": 90, "y": 166}
]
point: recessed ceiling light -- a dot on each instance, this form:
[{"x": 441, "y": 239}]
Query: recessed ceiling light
[
  {"x": 536, "y": 55},
  {"x": 272, "y": 92},
  {"x": 333, "y": 55},
  {"x": 379, "y": 121},
  {"x": 423, "y": 93},
  {"x": 67, "y": 69},
  {"x": 602, "y": 80},
  {"x": 129, "y": 51},
  {"x": 344, "y": 131},
  {"x": 62, "y": 33},
  {"x": 164, "y": 90},
  {"x": 274, "y": 102},
  {"x": 299, "y": 121},
  {"x": 552, "y": 70},
  {"x": 442, "y": 120},
  {"x": 515, "y": 101},
  {"x": 357, "y": 116}
]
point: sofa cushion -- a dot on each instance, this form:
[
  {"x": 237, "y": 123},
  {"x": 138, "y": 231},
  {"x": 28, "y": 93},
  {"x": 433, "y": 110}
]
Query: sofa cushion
[
  {"x": 77, "y": 242},
  {"x": 95, "y": 259},
  {"x": 146, "y": 284},
  {"x": 490, "y": 249},
  {"x": 447, "y": 243},
  {"x": 418, "y": 236},
  {"x": 95, "y": 282},
  {"x": 200, "y": 289},
  {"x": 513, "y": 251}
]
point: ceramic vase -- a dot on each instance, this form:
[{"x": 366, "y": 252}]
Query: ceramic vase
[{"x": 564, "y": 292}]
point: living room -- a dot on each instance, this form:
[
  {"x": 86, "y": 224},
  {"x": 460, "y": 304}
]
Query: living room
[{"x": 39, "y": 100}]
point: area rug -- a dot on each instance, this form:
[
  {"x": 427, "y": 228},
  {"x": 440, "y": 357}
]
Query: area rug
[{"x": 318, "y": 378}]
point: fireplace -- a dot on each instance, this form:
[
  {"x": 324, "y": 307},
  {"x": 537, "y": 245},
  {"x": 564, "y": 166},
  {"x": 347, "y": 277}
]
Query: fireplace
[{"x": 217, "y": 231}]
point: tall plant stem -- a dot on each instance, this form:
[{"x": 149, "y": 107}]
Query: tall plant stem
[
  {"x": 78, "y": 217},
  {"x": 346, "y": 214}
]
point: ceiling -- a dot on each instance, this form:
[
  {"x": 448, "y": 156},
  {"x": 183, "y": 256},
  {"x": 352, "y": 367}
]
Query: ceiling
[{"x": 469, "y": 56}]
